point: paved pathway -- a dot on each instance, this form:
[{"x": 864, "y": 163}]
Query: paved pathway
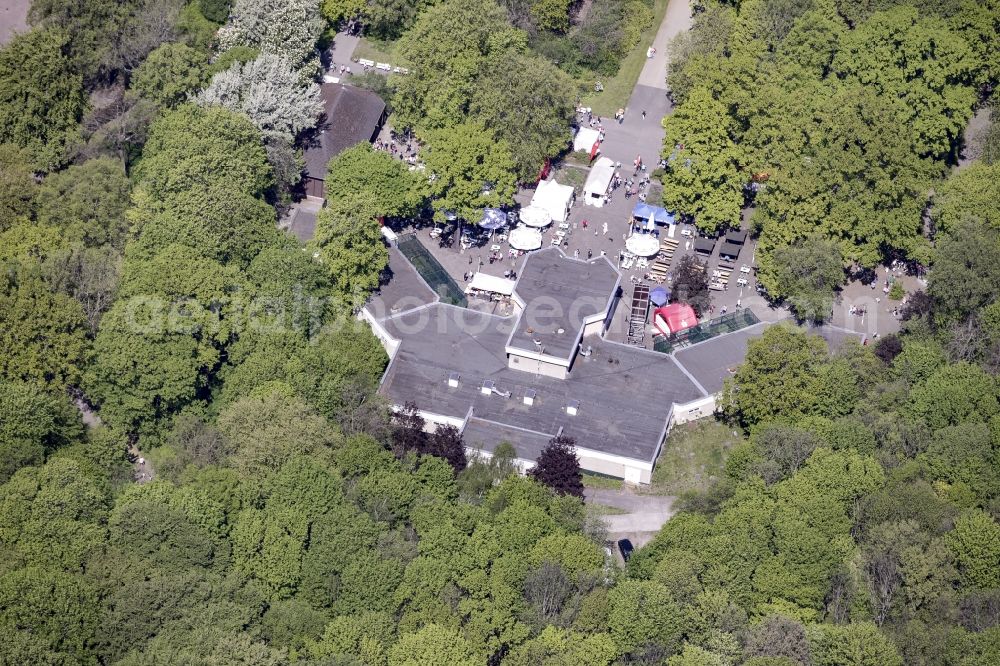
[
  {"x": 342, "y": 51},
  {"x": 13, "y": 18},
  {"x": 675, "y": 21},
  {"x": 646, "y": 513}
]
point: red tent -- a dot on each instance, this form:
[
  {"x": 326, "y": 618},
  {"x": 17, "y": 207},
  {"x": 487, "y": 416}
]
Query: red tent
[
  {"x": 544, "y": 173},
  {"x": 674, "y": 318}
]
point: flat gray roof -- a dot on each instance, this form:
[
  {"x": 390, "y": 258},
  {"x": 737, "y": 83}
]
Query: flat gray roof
[
  {"x": 625, "y": 394},
  {"x": 559, "y": 293},
  {"x": 487, "y": 435},
  {"x": 404, "y": 291},
  {"x": 710, "y": 362}
]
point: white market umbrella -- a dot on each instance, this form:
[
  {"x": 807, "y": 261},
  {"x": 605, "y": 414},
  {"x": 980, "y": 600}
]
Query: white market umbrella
[
  {"x": 534, "y": 216},
  {"x": 642, "y": 245},
  {"x": 525, "y": 238}
]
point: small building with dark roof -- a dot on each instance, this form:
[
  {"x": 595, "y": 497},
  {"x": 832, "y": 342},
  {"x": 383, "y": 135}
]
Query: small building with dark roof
[
  {"x": 350, "y": 116},
  {"x": 737, "y": 236},
  {"x": 730, "y": 250},
  {"x": 704, "y": 245}
]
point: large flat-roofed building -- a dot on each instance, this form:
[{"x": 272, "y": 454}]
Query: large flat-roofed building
[{"x": 544, "y": 371}]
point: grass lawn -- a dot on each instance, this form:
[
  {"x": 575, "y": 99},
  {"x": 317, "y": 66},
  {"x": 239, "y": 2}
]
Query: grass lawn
[
  {"x": 618, "y": 88},
  {"x": 568, "y": 174},
  {"x": 596, "y": 481},
  {"x": 605, "y": 510},
  {"x": 692, "y": 456},
  {"x": 373, "y": 49}
]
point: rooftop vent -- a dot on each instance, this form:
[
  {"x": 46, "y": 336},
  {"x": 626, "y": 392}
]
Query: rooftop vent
[
  {"x": 487, "y": 388},
  {"x": 529, "y": 397},
  {"x": 572, "y": 407},
  {"x": 502, "y": 394},
  {"x": 453, "y": 380}
]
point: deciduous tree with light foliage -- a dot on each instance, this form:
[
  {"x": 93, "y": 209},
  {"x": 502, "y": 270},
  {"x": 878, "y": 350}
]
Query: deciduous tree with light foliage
[
  {"x": 350, "y": 244},
  {"x": 269, "y": 92},
  {"x": 469, "y": 170},
  {"x": 287, "y": 28}
]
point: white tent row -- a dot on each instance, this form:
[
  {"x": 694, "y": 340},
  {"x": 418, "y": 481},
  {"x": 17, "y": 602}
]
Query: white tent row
[
  {"x": 490, "y": 283},
  {"x": 554, "y": 198},
  {"x": 585, "y": 139},
  {"x": 598, "y": 182}
]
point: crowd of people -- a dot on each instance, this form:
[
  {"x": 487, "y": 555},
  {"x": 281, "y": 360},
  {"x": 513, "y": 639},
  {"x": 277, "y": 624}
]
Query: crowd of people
[{"x": 403, "y": 146}]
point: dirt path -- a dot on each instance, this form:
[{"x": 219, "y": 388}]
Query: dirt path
[
  {"x": 975, "y": 133},
  {"x": 142, "y": 470}
]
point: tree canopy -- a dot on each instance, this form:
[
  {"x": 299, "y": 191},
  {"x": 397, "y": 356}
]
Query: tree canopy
[
  {"x": 189, "y": 147},
  {"x": 41, "y": 97},
  {"x": 840, "y": 508},
  {"x": 361, "y": 170},
  {"x": 469, "y": 169}
]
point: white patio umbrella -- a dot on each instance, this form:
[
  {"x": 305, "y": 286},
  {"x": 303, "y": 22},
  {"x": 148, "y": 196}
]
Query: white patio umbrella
[
  {"x": 534, "y": 216},
  {"x": 525, "y": 238},
  {"x": 642, "y": 245}
]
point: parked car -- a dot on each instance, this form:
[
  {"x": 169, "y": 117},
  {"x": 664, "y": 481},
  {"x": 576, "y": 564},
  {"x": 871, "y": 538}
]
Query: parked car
[{"x": 625, "y": 547}]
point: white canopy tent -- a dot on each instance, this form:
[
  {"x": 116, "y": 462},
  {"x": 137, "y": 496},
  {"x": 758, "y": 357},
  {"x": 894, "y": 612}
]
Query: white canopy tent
[
  {"x": 598, "y": 182},
  {"x": 585, "y": 139},
  {"x": 643, "y": 245},
  {"x": 525, "y": 238},
  {"x": 490, "y": 283},
  {"x": 535, "y": 217},
  {"x": 554, "y": 198}
]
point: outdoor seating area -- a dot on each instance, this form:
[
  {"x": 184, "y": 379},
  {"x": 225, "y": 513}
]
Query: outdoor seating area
[
  {"x": 490, "y": 288},
  {"x": 719, "y": 280},
  {"x": 659, "y": 271}
]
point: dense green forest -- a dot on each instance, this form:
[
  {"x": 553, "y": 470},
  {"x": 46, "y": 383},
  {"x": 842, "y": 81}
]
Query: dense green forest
[
  {"x": 837, "y": 121},
  {"x": 146, "y": 148}
]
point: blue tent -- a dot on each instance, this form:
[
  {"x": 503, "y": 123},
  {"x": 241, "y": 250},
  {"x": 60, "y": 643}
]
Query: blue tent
[
  {"x": 643, "y": 211},
  {"x": 659, "y": 296},
  {"x": 652, "y": 213},
  {"x": 493, "y": 218}
]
